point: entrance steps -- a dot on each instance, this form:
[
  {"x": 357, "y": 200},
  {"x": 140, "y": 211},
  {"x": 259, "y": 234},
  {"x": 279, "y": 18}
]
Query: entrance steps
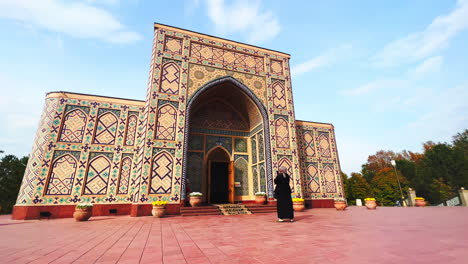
[
  {"x": 200, "y": 210},
  {"x": 233, "y": 209},
  {"x": 261, "y": 208}
]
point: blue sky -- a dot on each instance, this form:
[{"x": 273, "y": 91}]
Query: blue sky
[{"x": 387, "y": 74}]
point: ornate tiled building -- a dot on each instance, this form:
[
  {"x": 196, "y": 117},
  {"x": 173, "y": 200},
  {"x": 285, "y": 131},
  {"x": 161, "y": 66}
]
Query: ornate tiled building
[{"x": 218, "y": 118}]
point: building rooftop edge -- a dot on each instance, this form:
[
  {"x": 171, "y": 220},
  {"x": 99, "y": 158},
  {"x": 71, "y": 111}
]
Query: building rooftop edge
[
  {"x": 233, "y": 41},
  {"x": 315, "y": 122},
  {"x": 49, "y": 95}
]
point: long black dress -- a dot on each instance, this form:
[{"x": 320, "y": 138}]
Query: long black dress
[{"x": 284, "y": 205}]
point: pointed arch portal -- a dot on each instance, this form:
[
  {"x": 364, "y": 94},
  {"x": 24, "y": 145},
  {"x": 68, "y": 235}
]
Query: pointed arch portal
[{"x": 230, "y": 107}]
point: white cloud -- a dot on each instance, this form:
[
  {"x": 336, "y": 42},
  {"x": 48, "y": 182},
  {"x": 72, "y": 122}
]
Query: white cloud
[
  {"x": 388, "y": 84},
  {"x": 79, "y": 20},
  {"x": 430, "y": 65},
  {"x": 422, "y": 44},
  {"x": 325, "y": 59},
  {"x": 243, "y": 16}
]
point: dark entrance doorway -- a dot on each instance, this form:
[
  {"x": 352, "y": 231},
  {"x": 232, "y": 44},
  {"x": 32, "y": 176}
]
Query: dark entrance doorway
[{"x": 219, "y": 182}]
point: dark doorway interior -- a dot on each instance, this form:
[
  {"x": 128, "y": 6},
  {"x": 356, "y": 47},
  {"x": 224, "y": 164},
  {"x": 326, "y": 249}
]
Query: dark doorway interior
[{"x": 219, "y": 182}]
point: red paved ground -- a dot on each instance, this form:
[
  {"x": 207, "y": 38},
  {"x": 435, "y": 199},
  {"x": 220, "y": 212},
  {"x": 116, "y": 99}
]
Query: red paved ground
[{"x": 386, "y": 235}]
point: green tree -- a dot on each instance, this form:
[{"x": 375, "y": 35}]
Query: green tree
[
  {"x": 385, "y": 186},
  {"x": 11, "y": 174},
  {"x": 357, "y": 188},
  {"x": 439, "y": 191}
]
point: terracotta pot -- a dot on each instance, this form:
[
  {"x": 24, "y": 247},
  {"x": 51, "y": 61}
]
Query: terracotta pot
[
  {"x": 260, "y": 199},
  {"x": 195, "y": 200},
  {"x": 371, "y": 205},
  {"x": 420, "y": 203},
  {"x": 83, "y": 214},
  {"x": 158, "y": 211},
  {"x": 340, "y": 205},
  {"x": 298, "y": 206}
]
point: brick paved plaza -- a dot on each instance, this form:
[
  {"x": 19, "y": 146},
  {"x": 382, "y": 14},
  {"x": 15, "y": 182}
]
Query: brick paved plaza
[{"x": 357, "y": 235}]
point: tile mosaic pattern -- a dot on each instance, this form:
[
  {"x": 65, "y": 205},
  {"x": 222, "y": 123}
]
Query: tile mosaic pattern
[
  {"x": 199, "y": 75},
  {"x": 167, "y": 122},
  {"x": 124, "y": 177},
  {"x": 241, "y": 174},
  {"x": 182, "y": 63},
  {"x": 226, "y": 57},
  {"x": 161, "y": 178},
  {"x": 61, "y": 178},
  {"x": 97, "y": 176},
  {"x": 130, "y": 132},
  {"x": 170, "y": 78},
  {"x": 73, "y": 127},
  {"x": 106, "y": 129},
  {"x": 319, "y": 161}
]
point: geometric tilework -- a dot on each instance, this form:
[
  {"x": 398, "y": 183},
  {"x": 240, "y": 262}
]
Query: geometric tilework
[
  {"x": 195, "y": 166},
  {"x": 98, "y": 176},
  {"x": 328, "y": 178},
  {"x": 262, "y": 175},
  {"x": 73, "y": 127},
  {"x": 170, "y": 78},
  {"x": 276, "y": 67},
  {"x": 166, "y": 124},
  {"x": 279, "y": 95},
  {"x": 131, "y": 130},
  {"x": 226, "y": 57},
  {"x": 161, "y": 178},
  {"x": 308, "y": 147},
  {"x": 312, "y": 180},
  {"x": 261, "y": 146},
  {"x": 282, "y": 133},
  {"x": 173, "y": 45},
  {"x": 255, "y": 179},
  {"x": 36, "y": 157},
  {"x": 62, "y": 175},
  {"x": 324, "y": 145},
  {"x": 124, "y": 177},
  {"x": 106, "y": 129},
  {"x": 241, "y": 174}
]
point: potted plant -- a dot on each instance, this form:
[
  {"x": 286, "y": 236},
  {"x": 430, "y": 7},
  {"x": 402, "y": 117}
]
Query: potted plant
[
  {"x": 370, "y": 203},
  {"x": 420, "y": 202},
  {"x": 340, "y": 204},
  {"x": 298, "y": 204},
  {"x": 260, "y": 197},
  {"x": 159, "y": 208},
  {"x": 195, "y": 198},
  {"x": 83, "y": 211}
]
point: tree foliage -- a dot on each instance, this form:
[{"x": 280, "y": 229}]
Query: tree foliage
[
  {"x": 11, "y": 174},
  {"x": 436, "y": 174}
]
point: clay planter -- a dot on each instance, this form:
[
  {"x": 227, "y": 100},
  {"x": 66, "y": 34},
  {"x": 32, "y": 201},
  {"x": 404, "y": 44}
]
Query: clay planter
[
  {"x": 298, "y": 206},
  {"x": 158, "y": 211},
  {"x": 340, "y": 205},
  {"x": 195, "y": 201},
  {"x": 83, "y": 214},
  {"x": 420, "y": 203},
  {"x": 371, "y": 205},
  {"x": 260, "y": 199}
]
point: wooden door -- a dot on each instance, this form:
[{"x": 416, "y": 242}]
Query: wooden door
[{"x": 231, "y": 181}]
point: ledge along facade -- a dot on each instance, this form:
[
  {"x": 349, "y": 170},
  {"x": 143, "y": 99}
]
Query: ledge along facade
[{"x": 218, "y": 119}]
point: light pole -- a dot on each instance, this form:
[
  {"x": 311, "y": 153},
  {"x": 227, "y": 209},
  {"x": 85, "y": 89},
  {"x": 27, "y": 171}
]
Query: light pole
[{"x": 398, "y": 180}]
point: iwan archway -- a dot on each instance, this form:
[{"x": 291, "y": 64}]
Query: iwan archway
[{"x": 225, "y": 120}]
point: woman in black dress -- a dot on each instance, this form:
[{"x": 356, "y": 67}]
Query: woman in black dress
[{"x": 284, "y": 204}]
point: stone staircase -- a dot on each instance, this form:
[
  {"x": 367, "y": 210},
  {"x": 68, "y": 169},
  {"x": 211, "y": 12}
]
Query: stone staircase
[
  {"x": 200, "y": 210},
  {"x": 227, "y": 209},
  {"x": 233, "y": 209},
  {"x": 261, "y": 208}
]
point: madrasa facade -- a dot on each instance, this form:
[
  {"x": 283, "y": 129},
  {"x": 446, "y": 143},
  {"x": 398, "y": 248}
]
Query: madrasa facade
[{"x": 218, "y": 119}]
